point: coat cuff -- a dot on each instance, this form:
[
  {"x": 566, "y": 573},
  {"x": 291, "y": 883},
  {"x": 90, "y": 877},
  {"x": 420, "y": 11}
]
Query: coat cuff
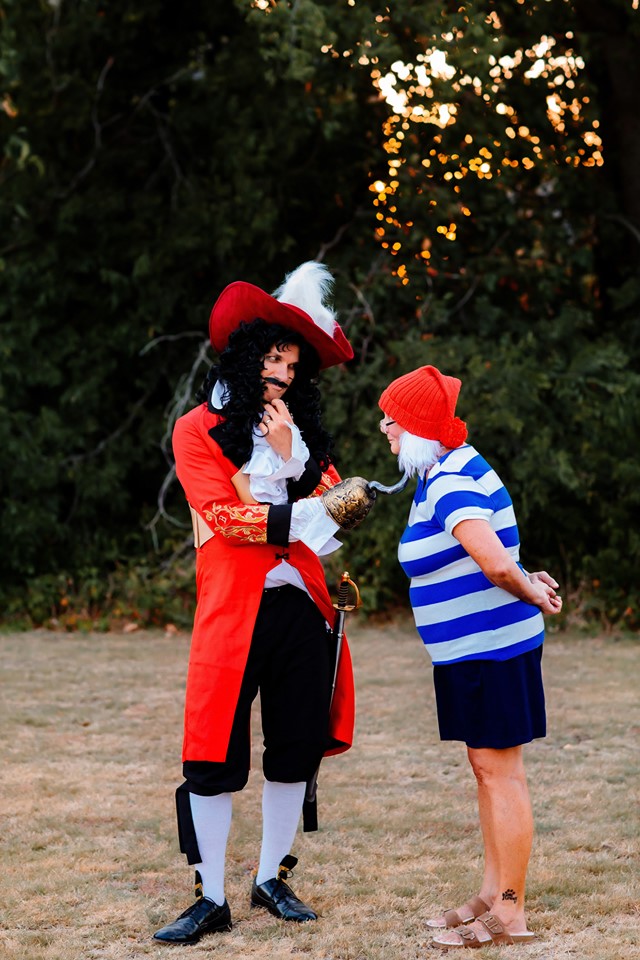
[
  {"x": 278, "y": 524},
  {"x": 306, "y": 483}
]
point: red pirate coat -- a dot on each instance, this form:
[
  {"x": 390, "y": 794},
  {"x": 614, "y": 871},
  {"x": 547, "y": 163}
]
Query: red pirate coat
[{"x": 230, "y": 573}]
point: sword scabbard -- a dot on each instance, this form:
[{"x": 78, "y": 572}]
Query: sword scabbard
[{"x": 342, "y": 607}]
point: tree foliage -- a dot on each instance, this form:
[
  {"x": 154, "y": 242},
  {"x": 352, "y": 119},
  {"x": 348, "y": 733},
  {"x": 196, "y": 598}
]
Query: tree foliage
[{"x": 446, "y": 160}]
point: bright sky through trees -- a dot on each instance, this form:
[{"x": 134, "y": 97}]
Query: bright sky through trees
[{"x": 432, "y": 89}]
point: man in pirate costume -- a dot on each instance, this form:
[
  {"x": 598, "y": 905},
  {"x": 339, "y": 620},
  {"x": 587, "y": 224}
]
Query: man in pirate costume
[{"x": 265, "y": 501}]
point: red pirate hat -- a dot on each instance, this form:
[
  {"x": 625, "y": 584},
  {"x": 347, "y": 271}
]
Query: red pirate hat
[
  {"x": 298, "y": 304},
  {"x": 423, "y": 402}
]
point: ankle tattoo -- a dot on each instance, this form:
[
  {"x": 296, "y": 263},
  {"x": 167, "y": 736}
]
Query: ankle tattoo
[{"x": 509, "y": 895}]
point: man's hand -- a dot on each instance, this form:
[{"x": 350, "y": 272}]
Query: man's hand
[{"x": 274, "y": 427}]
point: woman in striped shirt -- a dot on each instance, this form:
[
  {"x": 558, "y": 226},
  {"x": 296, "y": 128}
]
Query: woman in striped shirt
[{"x": 479, "y": 615}]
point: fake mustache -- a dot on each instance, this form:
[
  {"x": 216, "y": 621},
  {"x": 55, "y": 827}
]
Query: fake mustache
[{"x": 276, "y": 383}]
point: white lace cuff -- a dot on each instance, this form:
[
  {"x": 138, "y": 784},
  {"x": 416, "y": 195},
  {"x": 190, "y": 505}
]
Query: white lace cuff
[
  {"x": 312, "y": 525},
  {"x": 268, "y": 472}
]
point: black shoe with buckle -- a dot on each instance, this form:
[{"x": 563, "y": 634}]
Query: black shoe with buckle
[
  {"x": 203, "y": 916},
  {"x": 278, "y": 898}
]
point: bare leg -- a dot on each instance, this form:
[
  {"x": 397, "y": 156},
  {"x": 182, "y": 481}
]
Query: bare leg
[
  {"x": 507, "y": 829},
  {"x": 491, "y": 877},
  {"x": 507, "y": 825}
]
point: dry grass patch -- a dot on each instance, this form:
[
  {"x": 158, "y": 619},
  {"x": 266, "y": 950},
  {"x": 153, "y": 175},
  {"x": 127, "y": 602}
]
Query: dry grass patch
[{"x": 92, "y": 729}]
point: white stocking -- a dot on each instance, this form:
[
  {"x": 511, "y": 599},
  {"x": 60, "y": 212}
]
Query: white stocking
[
  {"x": 281, "y": 809},
  {"x": 212, "y": 821}
]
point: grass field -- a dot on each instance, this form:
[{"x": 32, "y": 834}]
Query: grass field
[{"x": 90, "y": 759}]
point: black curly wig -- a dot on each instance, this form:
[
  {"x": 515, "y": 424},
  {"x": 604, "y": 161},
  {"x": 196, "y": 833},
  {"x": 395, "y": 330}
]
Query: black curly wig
[{"x": 240, "y": 367}]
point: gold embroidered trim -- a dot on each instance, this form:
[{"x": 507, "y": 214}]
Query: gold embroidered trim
[
  {"x": 325, "y": 484},
  {"x": 244, "y": 523}
]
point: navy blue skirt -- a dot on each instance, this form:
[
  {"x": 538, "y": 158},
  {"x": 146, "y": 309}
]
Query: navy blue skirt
[{"x": 491, "y": 703}]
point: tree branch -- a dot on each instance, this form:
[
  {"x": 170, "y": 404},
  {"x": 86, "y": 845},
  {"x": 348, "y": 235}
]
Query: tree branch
[
  {"x": 77, "y": 458},
  {"x": 332, "y": 243},
  {"x": 626, "y": 223},
  {"x": 97, "y": 133},
  {"x": 182, "y": 397},
  {"x": 169, "y": 337}
]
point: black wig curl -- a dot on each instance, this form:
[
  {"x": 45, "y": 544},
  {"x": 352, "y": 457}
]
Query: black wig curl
[{"x": 240, "y": 367}]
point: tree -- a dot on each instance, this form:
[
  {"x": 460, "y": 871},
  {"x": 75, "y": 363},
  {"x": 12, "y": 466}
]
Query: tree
[
  {"x": 150, "y": 159},
  {"x": 515, "y": 247}
]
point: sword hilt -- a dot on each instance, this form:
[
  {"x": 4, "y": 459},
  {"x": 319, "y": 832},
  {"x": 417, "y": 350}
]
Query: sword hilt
[{"x": 343, "y": 594}]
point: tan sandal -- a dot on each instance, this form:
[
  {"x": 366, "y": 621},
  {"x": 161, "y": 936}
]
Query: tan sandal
[
  {"x": 474, "y": 905},
  {"x": 493, "y": 926}
]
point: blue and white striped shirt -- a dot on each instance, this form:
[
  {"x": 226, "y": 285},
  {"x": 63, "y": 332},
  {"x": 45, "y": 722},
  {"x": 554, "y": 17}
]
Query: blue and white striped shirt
[{"x": 459, "y": 613}]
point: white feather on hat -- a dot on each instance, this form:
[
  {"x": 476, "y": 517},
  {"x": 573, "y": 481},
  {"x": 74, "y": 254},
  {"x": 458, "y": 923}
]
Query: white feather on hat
[
  {"x": 307, "y": 287},
  {"x": 297, "y": 304}
]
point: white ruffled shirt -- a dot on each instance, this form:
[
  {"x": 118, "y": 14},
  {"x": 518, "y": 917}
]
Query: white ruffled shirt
[{"x": 268, "y": 474}]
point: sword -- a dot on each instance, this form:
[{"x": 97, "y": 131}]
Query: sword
[{"x": 342, "y": 607}]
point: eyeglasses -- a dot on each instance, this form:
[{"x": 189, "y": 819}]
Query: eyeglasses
[{"x": 385, "y": 424}]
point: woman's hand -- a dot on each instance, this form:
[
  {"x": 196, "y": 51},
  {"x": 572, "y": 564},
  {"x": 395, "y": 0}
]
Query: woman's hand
[
  {"x": 543, "y": 577},
  {"x": 546, "y": 597},
  {"x": 484, "y": 545},
  {"x": 273, "y": 427},
  {"x": 551, "y": 602}
]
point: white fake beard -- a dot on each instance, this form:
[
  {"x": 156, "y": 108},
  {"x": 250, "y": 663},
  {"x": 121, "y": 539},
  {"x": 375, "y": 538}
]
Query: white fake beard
[{"x": 418, "y": 455}]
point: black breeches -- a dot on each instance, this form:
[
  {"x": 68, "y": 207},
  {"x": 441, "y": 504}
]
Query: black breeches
[{"x": 290, "y": 663}]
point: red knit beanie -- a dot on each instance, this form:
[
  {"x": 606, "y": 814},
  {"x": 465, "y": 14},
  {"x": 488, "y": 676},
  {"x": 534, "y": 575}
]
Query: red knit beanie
[{"x": 423, "y": 402}]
